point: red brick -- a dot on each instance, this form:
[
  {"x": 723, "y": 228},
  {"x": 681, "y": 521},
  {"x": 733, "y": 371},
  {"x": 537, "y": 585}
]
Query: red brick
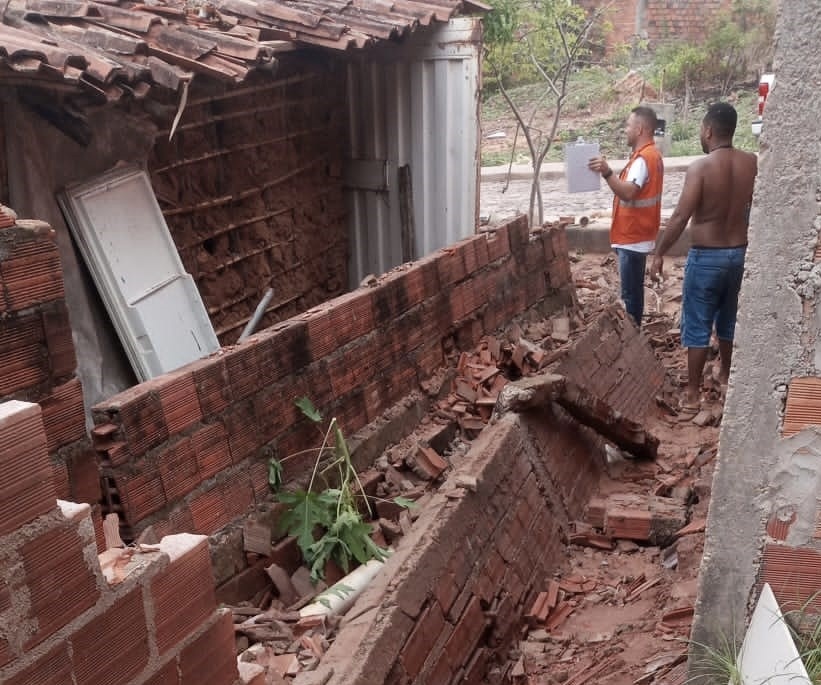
[
  {"x": 420, "y": 643},
  {"x": 321, "y": 332},
  {"x": 211, "y": 381},
  {"x": 352, "y": 316},
  {"x": 208, "y": 511},
  {"x": 446, "y": 591},
  {"x": 211, "y": 448},
  {"x": 59, "y": 478},
  {"x": 113, "y": 646},
  {"x": 466, "y": 635},
  {"x": 244, "y": 373},
  {"x": 176, "y": 613},
  {"x": 142, "y": 419},
  {"x": 22, "y": 354},
  {"x": 34, "y": 276},
  {"x": 53, "y": 668},
  {"x": 6, "y": 654},
  {"x": 178, "y": 469},
  {"x": 237, "y": 496},
  {"x": 57, "y": 329},
  {"x": 180, "y": 405},
  {"x": 60, "y": 583},
  {"x": 166, "y": 675},
  {"x": 141, "y": 494},
  {"x": 243, "y": 435},
  {"x": 210, "y": 659},
  {"x": 275, "y": 408},
  {"x": 84, "y": 476},
  {"x": 283, "y": 350}
]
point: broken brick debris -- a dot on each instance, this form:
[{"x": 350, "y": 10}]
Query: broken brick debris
[{"x": 540, "y": 390}]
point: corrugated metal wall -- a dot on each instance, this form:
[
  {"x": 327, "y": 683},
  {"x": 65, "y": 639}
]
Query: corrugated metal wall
[{"x": 413, "y": 124}]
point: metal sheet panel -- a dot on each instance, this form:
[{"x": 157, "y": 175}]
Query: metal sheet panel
[{"x": 417, "y": 106}]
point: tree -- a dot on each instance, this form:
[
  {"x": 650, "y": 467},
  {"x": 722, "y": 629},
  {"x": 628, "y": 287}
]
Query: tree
[{"x": 539, "y": 41}]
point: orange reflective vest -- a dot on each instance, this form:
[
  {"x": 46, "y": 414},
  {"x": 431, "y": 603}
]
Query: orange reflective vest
[{"x": 637, "y": 220}]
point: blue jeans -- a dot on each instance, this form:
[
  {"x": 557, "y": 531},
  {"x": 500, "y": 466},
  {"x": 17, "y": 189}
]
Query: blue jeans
[
  {"x": 712, "y": 279},
  {"x": 631, "y": 274}
]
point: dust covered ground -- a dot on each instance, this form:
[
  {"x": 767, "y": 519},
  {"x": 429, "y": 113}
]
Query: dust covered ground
[{"x": 627, "y": 611}]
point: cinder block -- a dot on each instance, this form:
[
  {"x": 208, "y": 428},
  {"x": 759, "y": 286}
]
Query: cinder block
[
  {"x": 113, "y": 646},
  {"x": 177, "y": 613}
]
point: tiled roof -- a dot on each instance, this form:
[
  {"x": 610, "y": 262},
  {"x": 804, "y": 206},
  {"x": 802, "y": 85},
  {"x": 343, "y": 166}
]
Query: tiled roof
[{"x": 118, "y": 46}]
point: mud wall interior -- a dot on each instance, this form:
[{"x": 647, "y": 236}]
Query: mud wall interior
[
  {"x": 61, "y": 621},
  {"x": 251, "y": 189},
  {"x": 764, "y": 523},
  {"x": 37, "y": 356},
  {"x": 657, "y": 20}
]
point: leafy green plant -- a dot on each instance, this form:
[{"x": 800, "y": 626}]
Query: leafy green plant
[{"x": 328, "y": 524}]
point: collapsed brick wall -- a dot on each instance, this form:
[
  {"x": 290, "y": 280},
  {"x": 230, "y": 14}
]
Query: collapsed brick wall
[
  {"x": 188, "y": 451},
  {"x": 444, "y": 611},
  {"x": 611, "y": 360},
  {"x": 37, "y": 355},
  {"x": 60, "y": 619},
  {"x": 251, "y": 188}
]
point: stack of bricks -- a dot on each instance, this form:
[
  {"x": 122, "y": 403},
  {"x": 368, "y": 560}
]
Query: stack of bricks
[
  {"x": 187, "y": 451},
  {"x": 61, "y": 621},
  {"x": 37, "y": 354},
  {"x": 449, "y": 611}
]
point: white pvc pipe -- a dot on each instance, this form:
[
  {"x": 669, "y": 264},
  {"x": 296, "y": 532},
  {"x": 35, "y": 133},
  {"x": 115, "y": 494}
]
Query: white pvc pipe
[{"x": 338, "y": 598}]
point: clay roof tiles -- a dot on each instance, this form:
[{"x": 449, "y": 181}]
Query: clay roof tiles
[{"x": 117, "y": 46}]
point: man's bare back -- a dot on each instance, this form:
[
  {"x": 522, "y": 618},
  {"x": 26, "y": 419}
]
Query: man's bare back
[{"x": 725, "y": 179}]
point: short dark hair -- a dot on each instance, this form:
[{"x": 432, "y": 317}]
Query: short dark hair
[
  {"x": 722, "y": 118},
  {"x": 647, "y": 115}
]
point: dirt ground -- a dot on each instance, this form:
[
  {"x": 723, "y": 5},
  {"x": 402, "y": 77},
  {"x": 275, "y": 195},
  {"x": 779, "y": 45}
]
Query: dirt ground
[{"x": 631, "y": 607}]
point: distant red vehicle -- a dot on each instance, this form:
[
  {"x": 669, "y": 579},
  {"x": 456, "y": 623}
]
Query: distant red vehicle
[{"x": 765, "y": 86}]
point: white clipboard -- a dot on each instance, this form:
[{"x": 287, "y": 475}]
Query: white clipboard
[{"x": 580, "y": 179}]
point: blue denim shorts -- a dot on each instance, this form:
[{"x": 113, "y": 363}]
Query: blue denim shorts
[{"x": 712, "y": 279}]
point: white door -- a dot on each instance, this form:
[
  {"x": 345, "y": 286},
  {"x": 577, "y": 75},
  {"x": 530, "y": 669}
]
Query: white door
[{"x": 153, "y": 303}]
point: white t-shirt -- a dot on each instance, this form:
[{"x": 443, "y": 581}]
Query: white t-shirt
[{"x": 637, "y": 173}]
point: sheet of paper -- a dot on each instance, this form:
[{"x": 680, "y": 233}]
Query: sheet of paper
[{"x": 579, "y": 178}]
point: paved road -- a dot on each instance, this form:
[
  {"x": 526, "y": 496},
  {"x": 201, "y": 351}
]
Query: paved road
[{"x": 498, "y": 204}]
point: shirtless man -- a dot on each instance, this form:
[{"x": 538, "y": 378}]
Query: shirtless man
[{"x": 717, "y": 193}]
